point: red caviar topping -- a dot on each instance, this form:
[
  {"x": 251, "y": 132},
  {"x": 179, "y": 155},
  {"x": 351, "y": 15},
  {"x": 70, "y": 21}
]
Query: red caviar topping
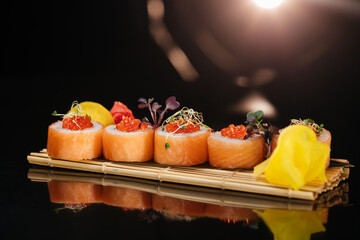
[
  {"x": 77, "y": 123},
  {"x": 179, "y": 126},
  {"x": 232, "y": 131},
  {"x": 130, "y": 124}
]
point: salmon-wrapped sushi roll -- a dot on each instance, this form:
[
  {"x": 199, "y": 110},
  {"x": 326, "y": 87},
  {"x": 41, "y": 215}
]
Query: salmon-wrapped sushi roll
[
  {"x": 127, "y": 198},
  {"x": 128, "y": 141},
  {"x": 232, "y": 147},
  {"x": 182, "y": 139},
  {"x": 230, "y": 214},
  {"x": 74, "y": 192},
  {"x": 76, "y": 137},
  {"x": 171, "y": 206},
  {"x": 322, "y": 135}
]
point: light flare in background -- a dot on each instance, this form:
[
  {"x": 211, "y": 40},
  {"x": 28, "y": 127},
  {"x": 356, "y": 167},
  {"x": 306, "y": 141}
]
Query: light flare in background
[
  {"x": 219, "y": 55},
  {"x": 165, "y": 41},
  {"x": 261, "y": 31},
  {"x": 253, "y": 102},
  {"x": 268, "y": 3}
]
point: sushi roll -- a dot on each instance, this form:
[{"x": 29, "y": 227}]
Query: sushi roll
[
  {"x": 74, "y": 192},
  {"x": 175, "y": 208},
  {"x": 182, "y": 139},
  {"x": 130, "y": 141},
  {"x": 76, "y": 137},
  {"x": 323, "y": 135},
  {"x": 126, "y": 198},
  {"x": 230, "y": 213},
  {"x": 233, "y": 147}
]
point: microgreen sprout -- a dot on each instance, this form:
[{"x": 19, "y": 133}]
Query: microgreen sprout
[
  {"x": 188, "y": 116},
  {"x": 74, "y": 207},
  {"x": 185, "y": 117},
  {"x": 78, "y": 112},
  {"x": 310, "y": 123},
  {"x": 155, "y": 108},
  {"x": 254, "y": 119},
  {"x": 257, "y": 126}
]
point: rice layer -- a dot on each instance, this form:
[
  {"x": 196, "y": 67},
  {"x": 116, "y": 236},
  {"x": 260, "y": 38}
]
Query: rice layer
[
  {"x": 165, "y": 133},
  {"x": 217, "y": 135},
  {"x": 112, "y": 130}
]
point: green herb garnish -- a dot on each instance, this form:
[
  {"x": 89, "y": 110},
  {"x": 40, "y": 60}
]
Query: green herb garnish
[
  {"x": 167, "y": 145},
  {"x": 255, "y": 119},
  {"x": 185, "y": 116},
  {"x": 310, "y": 123},
  {"x": 255, "y": 125}
]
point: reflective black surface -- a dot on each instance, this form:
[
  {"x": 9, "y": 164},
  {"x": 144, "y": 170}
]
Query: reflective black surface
[
  {"x": 27, "y": 207},
  {"x": 57, "y": 52}
]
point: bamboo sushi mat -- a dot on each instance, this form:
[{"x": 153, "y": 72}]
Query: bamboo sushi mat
[{"x": 202, "y": 175}]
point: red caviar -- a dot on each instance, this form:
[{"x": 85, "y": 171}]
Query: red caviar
[
  {"x": 77, "y": 123},
  {"x": 130, "y": 124},
  {"x": 232, "y": 131},
  {"x": 179, "y": 126}
]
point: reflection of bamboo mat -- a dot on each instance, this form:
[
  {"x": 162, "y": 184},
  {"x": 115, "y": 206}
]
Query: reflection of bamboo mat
[
  {"x": 202, "y": 175},
  {"x": 188, "y": 192}
]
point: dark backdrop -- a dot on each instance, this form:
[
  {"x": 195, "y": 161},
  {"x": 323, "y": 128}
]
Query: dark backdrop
[{"x": 54, "y": 52}]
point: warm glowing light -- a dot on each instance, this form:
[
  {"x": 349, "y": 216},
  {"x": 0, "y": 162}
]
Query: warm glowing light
[
  {"x": 255, "y": 101},
  {"x": 164, "y": 39},
  {"x": 268, "y": 3}
]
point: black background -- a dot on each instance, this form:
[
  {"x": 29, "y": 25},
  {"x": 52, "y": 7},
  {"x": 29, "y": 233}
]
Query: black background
[{"x": 54, "y": 52}]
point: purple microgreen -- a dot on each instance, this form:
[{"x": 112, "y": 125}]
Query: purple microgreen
[
  {"x": 154, "y": 108},
  {"x": 159, "y": 111},
  {"x": 146, "y": 103},
  {"x": 150, "y": 101},
  {"x": 142, "y": 100},
  {"x": 142, "y": 105},
  {"x": 171, "y": 103}
]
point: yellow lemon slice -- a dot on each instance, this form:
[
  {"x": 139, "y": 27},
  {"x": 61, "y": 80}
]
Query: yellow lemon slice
[{"x": 97, "y": 112}]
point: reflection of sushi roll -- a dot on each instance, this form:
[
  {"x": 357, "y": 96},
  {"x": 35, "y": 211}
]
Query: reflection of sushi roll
[
  {"x": 230, "y": 213},
  {"x": 177, "y": 207},
  {"x": 226, "y": 152},
  {"x": 74, "y": 192},
  {"x": 185, "y": 149},
  {"x": 131, "y": 143},
  {"x": 64, "y": 143},
  {"x": 127, "y": 198}
]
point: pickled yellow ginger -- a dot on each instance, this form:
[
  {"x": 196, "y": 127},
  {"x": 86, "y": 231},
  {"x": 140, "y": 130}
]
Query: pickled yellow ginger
[{"x": 297, "y": 159}]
